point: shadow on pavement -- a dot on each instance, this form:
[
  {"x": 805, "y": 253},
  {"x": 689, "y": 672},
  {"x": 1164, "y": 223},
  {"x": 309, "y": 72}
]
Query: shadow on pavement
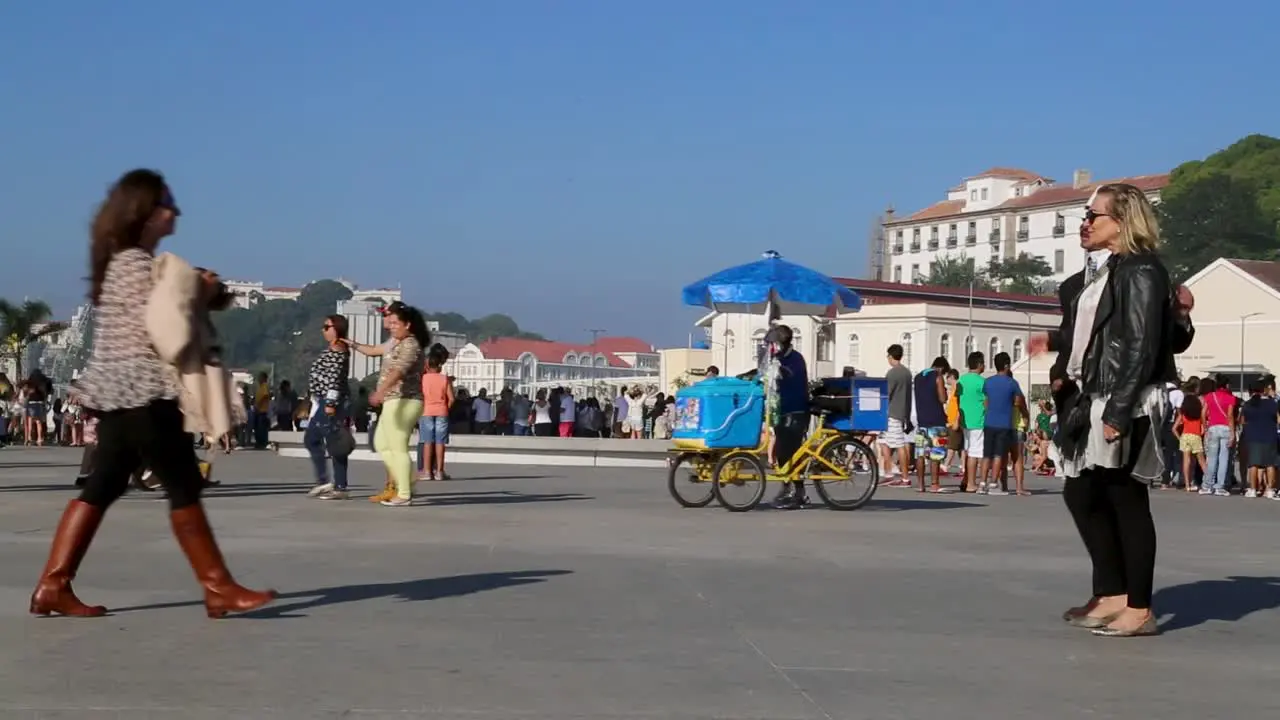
[
  {"x": 496, "y": 497},
  {"x": 1230, "y": 600},
  {"x": 899, "y": 504},
  {"x": 406, "y": 591},
  {"x": 65, "y": 485}
]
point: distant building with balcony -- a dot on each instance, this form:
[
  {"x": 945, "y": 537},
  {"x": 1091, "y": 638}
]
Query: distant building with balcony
[
  {"x": 996, "y": 215},
  {"x": 249, "y": 293},
  {"x": 364, "y": 325},
  {"x": 527, "y": 366}
]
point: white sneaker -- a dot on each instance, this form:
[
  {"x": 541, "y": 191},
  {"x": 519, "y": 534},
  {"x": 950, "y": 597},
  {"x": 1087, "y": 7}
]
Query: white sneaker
[
  {"x": 1221, "y": 493},
  {"x": 1251, "y": 493},
  {"x": 319, "y": 490},
  {"x": 1272, "y": 495},
  {"x": 996, "y": 490},
  {"x": 1206, "y": 491}
]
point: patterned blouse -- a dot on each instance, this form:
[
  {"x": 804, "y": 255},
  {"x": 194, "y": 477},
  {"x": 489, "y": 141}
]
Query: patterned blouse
[
  {"x": 327, "y": 380},
  {"x": 406, "y": 356},
  {"x": 124, "y": 371}
]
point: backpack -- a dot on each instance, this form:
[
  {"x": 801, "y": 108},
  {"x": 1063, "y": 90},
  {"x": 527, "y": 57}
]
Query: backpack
[{"x": 1191, "y": 408}]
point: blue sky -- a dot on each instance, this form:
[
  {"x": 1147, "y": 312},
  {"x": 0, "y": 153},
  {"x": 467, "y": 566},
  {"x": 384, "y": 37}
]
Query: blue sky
[{"x": 574, "y": 163}]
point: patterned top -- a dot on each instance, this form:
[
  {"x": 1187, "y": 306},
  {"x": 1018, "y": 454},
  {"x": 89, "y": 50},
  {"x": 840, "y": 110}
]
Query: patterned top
[
  {"x": 406, "y": 357},
  {"x": 124, "y": 371},
  {"x": 327, "y": 380}
]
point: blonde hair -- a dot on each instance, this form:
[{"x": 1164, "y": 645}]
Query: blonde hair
[{"x": 1130, "y": 208}]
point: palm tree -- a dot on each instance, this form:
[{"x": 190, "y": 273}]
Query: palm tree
[{"x": 21, "y": 325}]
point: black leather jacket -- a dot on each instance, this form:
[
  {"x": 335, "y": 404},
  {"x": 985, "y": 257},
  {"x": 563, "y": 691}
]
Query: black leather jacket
[{"x": 1136, "y": 333}]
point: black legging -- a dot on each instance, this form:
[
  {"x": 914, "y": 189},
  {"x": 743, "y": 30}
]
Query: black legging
[
  {"x": 1112, "y": 511},
  {"x": 150, "y": 436}
]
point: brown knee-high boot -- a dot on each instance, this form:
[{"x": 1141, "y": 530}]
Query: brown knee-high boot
[
  {"x": 221, "y": 593},
  {"x": 53, "y": 594}
]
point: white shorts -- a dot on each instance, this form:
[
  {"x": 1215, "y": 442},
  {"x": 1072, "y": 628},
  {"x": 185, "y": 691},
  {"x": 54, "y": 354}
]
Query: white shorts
[
  {"x": 973, "y": 443},
  {"x": 895, "y": 436}
]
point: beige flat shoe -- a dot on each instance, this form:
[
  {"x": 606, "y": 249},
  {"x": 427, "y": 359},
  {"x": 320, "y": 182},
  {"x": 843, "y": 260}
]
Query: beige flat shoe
[{"x": 1146, "y": 629}]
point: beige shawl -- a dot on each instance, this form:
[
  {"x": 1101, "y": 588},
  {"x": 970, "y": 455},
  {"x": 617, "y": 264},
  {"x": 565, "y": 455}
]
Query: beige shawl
[{"x": 184, "y": 339}]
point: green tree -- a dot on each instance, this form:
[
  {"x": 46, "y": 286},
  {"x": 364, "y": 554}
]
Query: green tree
[
  {"x": 22, "y": 325},
  {"x": 283, "y": 337},
  {"x": 1227, "y": 205},
  {"x": 956, "y": 272},
  {"x": 1024, "y": 274}
]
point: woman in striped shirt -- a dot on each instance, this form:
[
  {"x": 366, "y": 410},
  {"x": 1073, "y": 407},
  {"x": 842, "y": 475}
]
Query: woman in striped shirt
[{"x": 136, "y": 400}]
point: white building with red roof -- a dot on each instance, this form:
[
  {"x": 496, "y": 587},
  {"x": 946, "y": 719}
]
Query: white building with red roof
[
  {"x": 928, "y": 321},
  {"x": 995, "y": 215},
  {"x": 597, "y": 369}
]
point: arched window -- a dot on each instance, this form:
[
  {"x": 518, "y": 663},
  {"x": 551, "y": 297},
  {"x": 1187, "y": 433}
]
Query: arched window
[
  {"x": 993, "y": 349},
  {"x": 757, "y": 345},
  {"x": 1017, "y": 349},
  {"x": 906, "y": 349},
  {"x": 944, "y": 346},
  {"x": 969, "y": 347},
  {"x": 855, "y": 350}
]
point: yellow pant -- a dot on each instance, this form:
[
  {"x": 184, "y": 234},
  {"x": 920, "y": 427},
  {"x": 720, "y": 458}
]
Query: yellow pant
[{"x": 395, "y": 425}]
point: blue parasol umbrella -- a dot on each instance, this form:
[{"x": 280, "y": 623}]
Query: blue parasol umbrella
[{"x": 773, "y": 286}]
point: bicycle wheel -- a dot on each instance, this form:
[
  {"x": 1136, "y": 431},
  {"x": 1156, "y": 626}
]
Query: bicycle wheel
[
  {"x": 692, "y": 487},
  {"x": 856, "y": 464},
  {"x": 735, "y": 472}
]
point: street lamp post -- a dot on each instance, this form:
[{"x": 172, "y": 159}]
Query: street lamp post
[
  {"x": 1026, "y": 343},
  {"x": 1242, "y": 319}
]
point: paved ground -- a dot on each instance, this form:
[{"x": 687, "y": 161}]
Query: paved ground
[{"x": 550, "y": 594}]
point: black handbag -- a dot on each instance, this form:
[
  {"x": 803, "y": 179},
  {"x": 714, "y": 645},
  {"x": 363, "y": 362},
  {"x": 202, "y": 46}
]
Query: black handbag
[
  {"x": 1073, "y": 419},
  {"x": 340, "y": 442}
]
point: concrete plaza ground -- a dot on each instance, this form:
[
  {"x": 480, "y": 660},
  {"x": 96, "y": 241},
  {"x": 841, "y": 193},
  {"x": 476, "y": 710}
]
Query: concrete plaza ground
[{"x": 558, "y": 593}]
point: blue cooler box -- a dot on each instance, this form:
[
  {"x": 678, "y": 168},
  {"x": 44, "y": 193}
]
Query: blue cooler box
[
  {"x": 721, "y": 412},
  {"x": 870, "y": 407}
]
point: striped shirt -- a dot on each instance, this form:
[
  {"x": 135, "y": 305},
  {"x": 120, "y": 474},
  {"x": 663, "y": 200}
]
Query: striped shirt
[{"x": 124, "y": 370}]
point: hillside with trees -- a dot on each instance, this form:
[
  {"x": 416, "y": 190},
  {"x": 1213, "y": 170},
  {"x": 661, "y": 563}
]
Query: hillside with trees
[
  {"x": 1227, "y": 205},
  {"x": 282, "y": 337}
]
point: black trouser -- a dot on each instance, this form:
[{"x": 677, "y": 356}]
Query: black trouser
[
  {"x": 151, "y": 437},
  {"x": 1112, "y": 511},
  {"x": 788, "y": 438}
]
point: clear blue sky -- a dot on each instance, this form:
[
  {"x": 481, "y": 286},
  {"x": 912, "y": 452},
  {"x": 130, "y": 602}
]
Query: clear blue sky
[{"x": 574, "y": 163}]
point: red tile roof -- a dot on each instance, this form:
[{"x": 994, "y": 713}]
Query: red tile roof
[
  {"x": 880, "y": 292},
  {"x": 1063, "y": 195},
  {"x": 1009, "y": 173},
  {"x": 941, "y": 209},
  {"x": 622, "y": 345},
  {"x": 548, "y": 351},
  {"x": 1047, "y": 196},
  {"x": 1266, "y": 271}
]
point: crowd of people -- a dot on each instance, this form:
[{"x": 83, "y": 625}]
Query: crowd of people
[{"x": 152, "y": 384}]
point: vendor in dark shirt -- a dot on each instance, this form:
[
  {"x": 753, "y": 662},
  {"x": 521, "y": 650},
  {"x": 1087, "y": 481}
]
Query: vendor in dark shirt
[{"x": 792, "y": 422}]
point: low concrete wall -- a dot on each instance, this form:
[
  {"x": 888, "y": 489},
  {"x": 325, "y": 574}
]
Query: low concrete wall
[{"x": 506, "y": 450}]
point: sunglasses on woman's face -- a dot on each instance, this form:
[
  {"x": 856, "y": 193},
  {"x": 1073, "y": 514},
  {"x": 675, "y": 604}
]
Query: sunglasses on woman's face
[
  {"x": 1090, "y": 215},
  {"x": 327, "y": 326}
]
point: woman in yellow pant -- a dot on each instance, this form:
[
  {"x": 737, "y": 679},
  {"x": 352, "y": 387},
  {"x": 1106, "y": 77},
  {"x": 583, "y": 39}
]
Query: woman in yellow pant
[{"x": 400, "y": 393}]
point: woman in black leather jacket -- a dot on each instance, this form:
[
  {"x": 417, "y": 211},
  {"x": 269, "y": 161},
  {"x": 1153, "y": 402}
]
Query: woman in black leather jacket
[{"x": 1121, "y": 326}]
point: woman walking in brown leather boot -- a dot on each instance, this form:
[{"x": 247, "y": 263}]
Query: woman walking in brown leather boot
[{"x": 136, "y": 399}]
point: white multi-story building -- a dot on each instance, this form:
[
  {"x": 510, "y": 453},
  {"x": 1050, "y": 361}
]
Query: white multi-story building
[
  {"x": 927, "y": 321},
  {"x": 527, "y": 366},
  {"x": 249, "y": 293},
  {"x": 996, "y": 215}
]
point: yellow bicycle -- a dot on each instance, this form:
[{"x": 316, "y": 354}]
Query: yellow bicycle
[{"x": 738, "y": 479}]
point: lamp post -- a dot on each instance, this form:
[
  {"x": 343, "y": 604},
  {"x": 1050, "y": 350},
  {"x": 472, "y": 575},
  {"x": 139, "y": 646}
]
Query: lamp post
[
  {"x": 1242, "y": 319},
  {"x": 1026, "y": 343}
]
